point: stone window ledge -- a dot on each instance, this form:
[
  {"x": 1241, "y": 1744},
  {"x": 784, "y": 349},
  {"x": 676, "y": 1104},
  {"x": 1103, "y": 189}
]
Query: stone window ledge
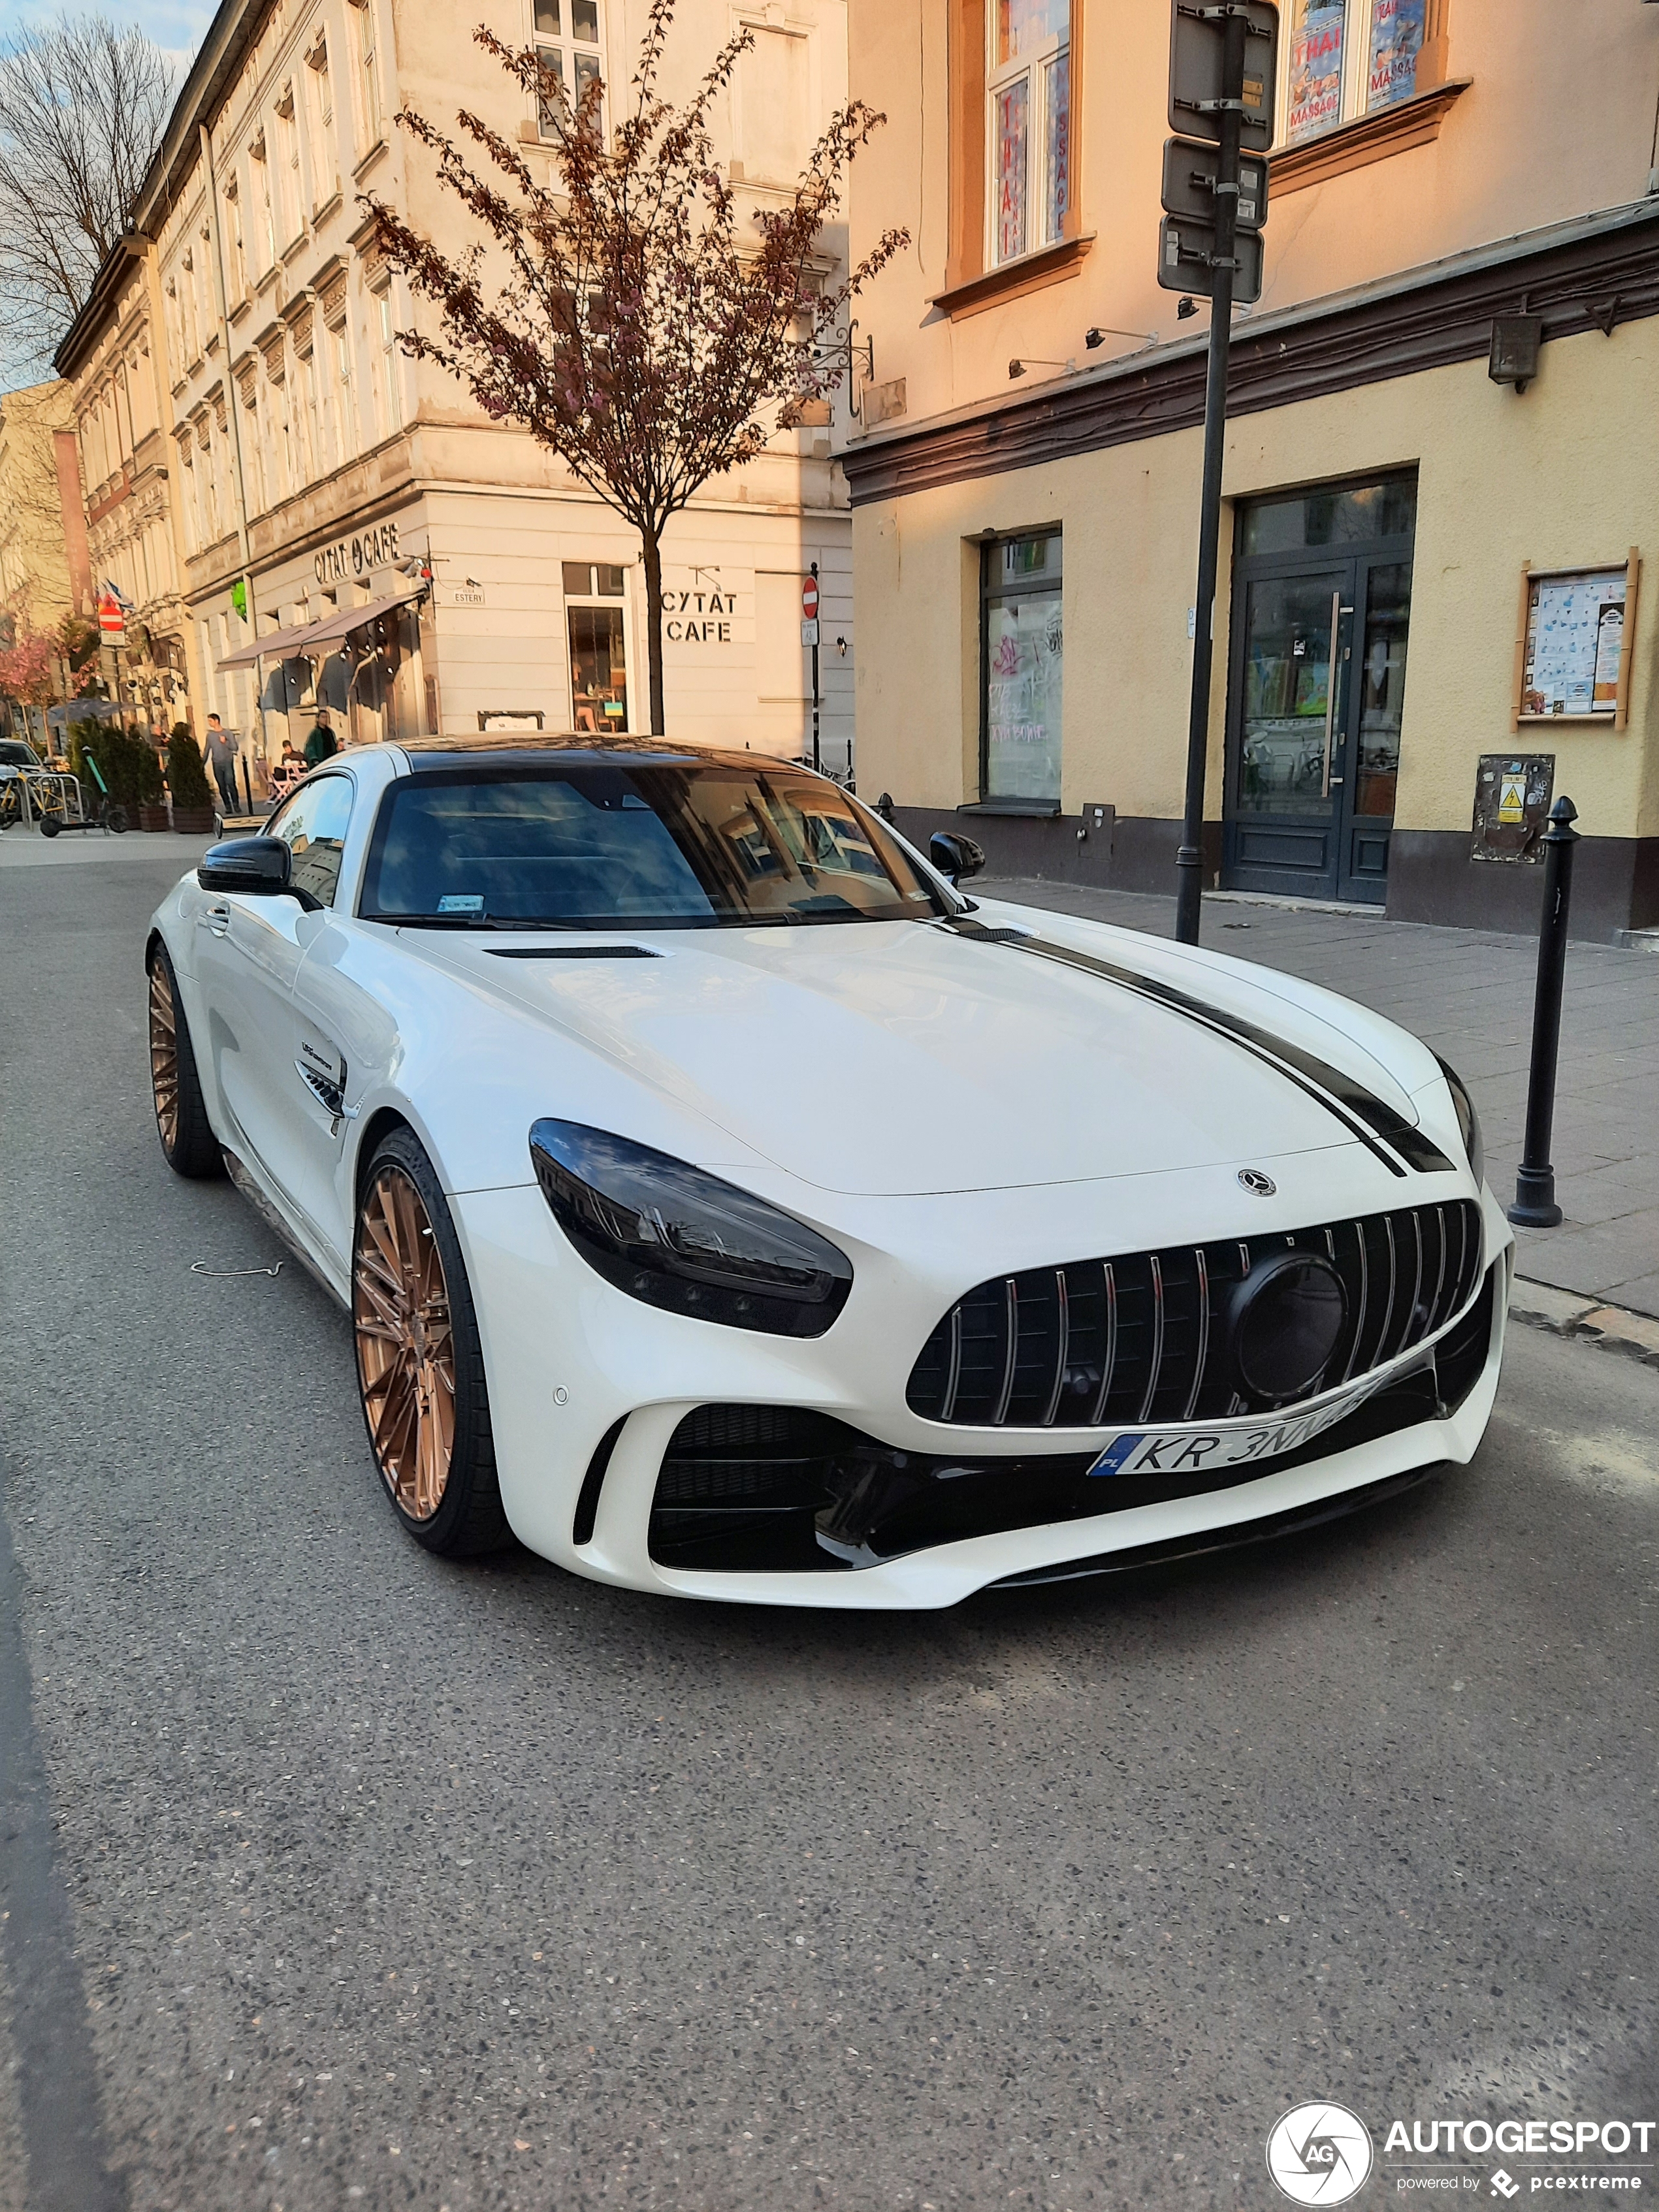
[
  {"x": 1049, "y": 266},
  {"x": 1413, "y": 122}
]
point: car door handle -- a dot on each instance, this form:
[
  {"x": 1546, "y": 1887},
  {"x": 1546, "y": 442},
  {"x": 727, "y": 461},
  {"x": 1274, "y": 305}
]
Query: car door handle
[{"x": 217, "y": 918}]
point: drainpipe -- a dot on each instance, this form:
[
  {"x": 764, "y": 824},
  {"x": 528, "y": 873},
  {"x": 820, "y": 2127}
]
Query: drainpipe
[{"x": 222, "y": 295}]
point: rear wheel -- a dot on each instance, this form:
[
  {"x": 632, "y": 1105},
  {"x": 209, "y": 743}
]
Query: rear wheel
[
  {"x": 420, "y": 1364},
  {"x": 181, "y": 1120}
]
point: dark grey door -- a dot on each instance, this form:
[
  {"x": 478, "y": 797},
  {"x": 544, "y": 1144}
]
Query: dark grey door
[{"x": 1316, "y": 686}]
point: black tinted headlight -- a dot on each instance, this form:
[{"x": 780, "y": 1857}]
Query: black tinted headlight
[
  {"x": 678, "y": 1238},
  {"x": 1468, "y": 1120}
]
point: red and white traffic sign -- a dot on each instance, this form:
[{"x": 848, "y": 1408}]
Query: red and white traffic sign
[
  {"x": 112, "y": 621},
  {"x": 809, "y": 599}
]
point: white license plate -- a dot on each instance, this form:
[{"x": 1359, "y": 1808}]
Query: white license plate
[{"x": 1198, "y": 1451}]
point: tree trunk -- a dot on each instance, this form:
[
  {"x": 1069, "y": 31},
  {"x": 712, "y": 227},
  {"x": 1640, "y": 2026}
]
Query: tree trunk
[{"x": 652, "y": 544}]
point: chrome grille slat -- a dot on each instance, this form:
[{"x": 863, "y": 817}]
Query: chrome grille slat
[
  {"x": 1144, "y": 1337},
  {"x": 1011, "y": 1326},
  {"x": 1062, "y": 1344},
  {"x": 953, "y": 1373},
  {"x": 1157, "y": 1337},
  {"x": 1109, "y": 1358},
  {"x": 1358, "y": 1228},
  {"x": 1203, "y": 1330}
]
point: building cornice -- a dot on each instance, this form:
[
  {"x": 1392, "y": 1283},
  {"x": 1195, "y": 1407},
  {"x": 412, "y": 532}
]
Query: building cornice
[{"x": 1589, "y": 275}]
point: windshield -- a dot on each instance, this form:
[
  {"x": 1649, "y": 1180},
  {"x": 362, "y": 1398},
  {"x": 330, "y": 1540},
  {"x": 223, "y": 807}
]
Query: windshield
[{"x": 645, "y": 843}]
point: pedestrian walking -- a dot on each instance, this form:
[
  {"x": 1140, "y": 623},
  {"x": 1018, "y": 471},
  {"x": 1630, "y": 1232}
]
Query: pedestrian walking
[
  {"x": 223, "y": 747},
  {"x": 322, "y": 744}
]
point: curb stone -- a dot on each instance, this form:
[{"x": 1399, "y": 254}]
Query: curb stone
[{"x": 1567, "y": 1313}]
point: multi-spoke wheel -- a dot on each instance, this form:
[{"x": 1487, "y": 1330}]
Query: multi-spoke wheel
[
  {"x": 181, "y": 1120},
  {"x": 419, "y": 1368}
]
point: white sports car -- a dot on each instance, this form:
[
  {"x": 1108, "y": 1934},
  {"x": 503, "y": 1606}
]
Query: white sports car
[{"x": 728, "y": 1204}]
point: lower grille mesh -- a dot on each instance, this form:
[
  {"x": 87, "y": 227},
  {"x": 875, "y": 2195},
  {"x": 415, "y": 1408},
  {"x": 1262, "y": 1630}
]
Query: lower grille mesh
[{"x": 1140, "y": 1337}]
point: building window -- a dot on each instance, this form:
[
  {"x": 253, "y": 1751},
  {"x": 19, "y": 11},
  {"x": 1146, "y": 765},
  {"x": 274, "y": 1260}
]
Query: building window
[
  {"x": 568, "y": 43},
  {"x": 1345, "y": 58},
  {"x": 325, "y": 176},
  {"x": 598, "y": 650},
  {"x": 394, "y": 412},
  {"x": 1021, "y": 662},
  {"x": 1030, "y": 124},
  {"x": 368, "y": 75}
]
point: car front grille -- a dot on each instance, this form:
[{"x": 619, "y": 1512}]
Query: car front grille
[{"x": 1142, "y": 1337}]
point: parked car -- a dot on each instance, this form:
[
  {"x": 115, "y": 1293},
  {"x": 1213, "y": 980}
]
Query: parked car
[{"x": 727, "y": 1204}]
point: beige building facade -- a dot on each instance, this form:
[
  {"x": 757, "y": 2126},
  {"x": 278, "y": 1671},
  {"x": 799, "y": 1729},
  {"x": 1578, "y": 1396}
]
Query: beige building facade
[
  {"x": 43, "y": 563},
  {"x": 1431, "y": 615},
  {"x": 350, "y": 532},
  {"x": 114, "y": 359}
]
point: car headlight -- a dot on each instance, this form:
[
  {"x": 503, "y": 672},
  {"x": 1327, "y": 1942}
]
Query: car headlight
[
  {"x": 1468, "y": 1120},
  {"x": 676, "y": 1237}
]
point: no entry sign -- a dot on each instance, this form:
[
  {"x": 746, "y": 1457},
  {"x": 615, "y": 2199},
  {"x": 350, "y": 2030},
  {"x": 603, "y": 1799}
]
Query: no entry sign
[
  {"x": 112, "y": 621},
  {"x": 809, "y": 599}
]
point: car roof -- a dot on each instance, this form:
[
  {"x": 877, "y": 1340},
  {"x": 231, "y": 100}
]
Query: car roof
[{"x": 530, "y": 748}]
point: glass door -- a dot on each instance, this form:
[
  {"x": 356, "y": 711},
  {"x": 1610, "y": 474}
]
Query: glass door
[
  {"x": 1321, "y": 599},
  {"x": 1283, "y": 830}
]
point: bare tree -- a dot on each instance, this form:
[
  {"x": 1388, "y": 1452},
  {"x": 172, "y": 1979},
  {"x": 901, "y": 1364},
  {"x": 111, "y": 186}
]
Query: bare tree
[
  {"x": 624, "y": 315},
  {"x": 83, "y": 106}
]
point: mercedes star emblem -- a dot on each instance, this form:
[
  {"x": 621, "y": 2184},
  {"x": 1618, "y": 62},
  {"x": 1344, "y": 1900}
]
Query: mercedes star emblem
[{"x": 1259, "y": 1185}]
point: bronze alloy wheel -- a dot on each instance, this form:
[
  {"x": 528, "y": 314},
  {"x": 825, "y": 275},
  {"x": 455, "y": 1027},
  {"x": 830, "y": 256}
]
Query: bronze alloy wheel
[
  {"x": 406, "y": 1342},
  {"x": 164, "y": 1054}
]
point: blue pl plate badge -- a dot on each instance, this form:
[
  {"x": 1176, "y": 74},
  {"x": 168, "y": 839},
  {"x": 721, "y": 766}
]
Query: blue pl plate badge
[{"x": 1111, "y": 1461}]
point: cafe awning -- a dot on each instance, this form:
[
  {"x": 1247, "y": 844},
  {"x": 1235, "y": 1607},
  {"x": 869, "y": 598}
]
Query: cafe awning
[{"x": 302, "y": 640}]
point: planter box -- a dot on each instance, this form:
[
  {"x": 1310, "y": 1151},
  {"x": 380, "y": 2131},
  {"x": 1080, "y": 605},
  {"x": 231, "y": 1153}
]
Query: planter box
[
  {"x": 153, "y": 816},
  {"x": 193, "y": 821}
]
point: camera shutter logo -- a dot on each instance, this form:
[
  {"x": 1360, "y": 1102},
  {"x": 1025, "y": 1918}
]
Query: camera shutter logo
[{"x": 1320, "y": 2153}]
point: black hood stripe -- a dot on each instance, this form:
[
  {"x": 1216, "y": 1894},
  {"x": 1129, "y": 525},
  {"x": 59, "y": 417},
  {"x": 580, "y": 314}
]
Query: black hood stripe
[{"x": 1375, "y": 1124}]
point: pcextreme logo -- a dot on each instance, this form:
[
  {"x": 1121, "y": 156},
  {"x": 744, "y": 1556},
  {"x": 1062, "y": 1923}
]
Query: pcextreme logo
[{"x": 1320, "y": 2153}]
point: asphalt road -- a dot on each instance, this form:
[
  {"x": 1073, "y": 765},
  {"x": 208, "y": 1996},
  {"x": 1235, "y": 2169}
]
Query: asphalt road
[{"x": 335, "y": 1875}]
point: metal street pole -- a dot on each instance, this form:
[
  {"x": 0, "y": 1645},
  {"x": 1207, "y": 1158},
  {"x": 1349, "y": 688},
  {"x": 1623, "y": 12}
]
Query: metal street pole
[
  {"x": 1189, "y": 861},
  {"x": 1534, "y": 1205},
  {"x": 816, "y": 621}
]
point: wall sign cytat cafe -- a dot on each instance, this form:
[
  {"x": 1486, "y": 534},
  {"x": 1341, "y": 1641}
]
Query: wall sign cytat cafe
[{"x": 356, "y": 557}]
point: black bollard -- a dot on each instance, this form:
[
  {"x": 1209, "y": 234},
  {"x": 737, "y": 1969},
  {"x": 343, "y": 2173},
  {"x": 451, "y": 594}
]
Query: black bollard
[{"x": 1534, "y": 1205}]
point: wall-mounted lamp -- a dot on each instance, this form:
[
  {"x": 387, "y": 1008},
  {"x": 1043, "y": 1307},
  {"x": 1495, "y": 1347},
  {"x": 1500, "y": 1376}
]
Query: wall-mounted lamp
[
  {"x": 1185, "y": 307},
  {"x": 1516, "y": 340},
  {"x": 841, "y": 647},
  {"x": 1097, "y": 334},
  {"x": 1017, "y": 367}
]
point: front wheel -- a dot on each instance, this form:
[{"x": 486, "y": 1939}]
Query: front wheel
[
  {"x": 50, "y": 825},
  {"x": 420, "y": 1363},
  {"x": 181, "y": 1116},
  {"x": 116, "y": 820}
]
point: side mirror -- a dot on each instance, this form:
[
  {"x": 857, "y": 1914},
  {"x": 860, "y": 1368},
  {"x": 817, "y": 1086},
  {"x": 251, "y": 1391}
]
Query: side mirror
[
  {"x": 954, "y": 856},
  {"x": 256, "y": 865}
]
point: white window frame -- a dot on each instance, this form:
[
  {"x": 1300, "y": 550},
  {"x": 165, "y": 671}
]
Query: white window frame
[
  {"x": 1033, "y": 66},
  {"x": 573, "y": 52}
]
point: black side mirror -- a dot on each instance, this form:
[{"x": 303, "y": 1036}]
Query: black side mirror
[
  {"x": 955, "y": 856},
  {"x": 256, "y": 865}
]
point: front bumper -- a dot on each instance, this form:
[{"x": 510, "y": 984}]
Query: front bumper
[{"x": 583, "y": 1379}]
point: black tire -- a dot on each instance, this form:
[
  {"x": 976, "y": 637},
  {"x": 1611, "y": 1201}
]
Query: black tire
[
  {"x": 50, "y": 825},
  {"x": 466, "y": 1517},
  {"x": 188, "y": 1143},
  {"x": 116, "y": 820}
]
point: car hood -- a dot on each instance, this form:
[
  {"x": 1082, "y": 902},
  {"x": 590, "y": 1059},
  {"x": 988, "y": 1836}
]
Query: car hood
[{"x": 894, "y": 1059}]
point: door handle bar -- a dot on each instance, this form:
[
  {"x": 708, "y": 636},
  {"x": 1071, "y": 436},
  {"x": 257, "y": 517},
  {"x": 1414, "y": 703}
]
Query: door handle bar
[{"x": 1330, "y": 693}]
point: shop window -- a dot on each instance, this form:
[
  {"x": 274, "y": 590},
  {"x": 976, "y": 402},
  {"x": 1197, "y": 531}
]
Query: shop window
[
  {"x": 1345, "y": 58},
  {"x": 567, "y": 44},
  {"x": 1021, "y": 665},
  {"x": 598, "y": 647},
  {"x": 1028, "y": 127}
]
